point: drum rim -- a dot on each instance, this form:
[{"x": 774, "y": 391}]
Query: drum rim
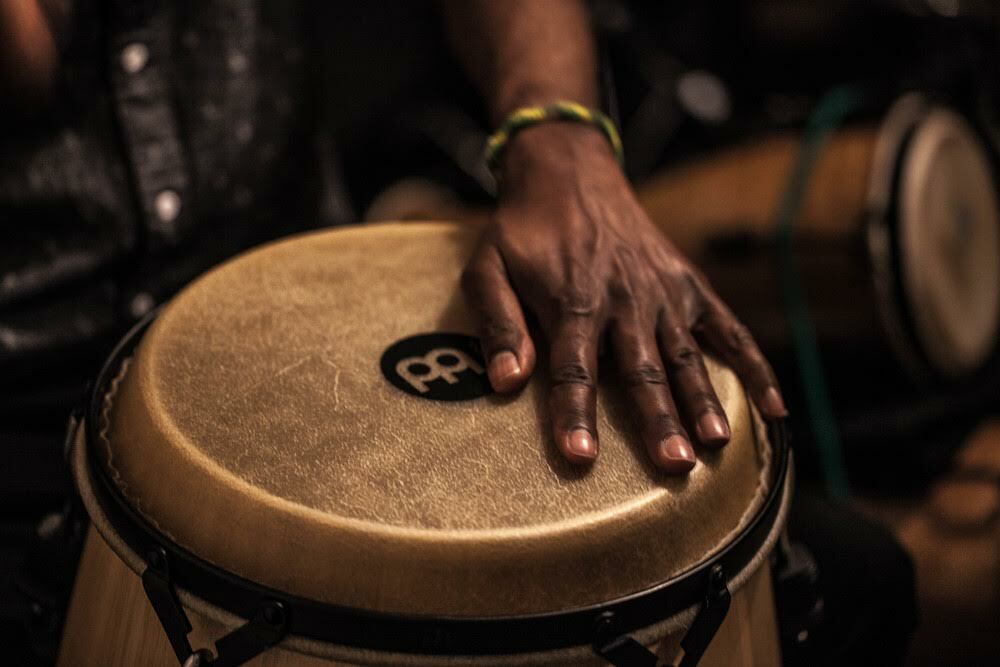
[
  {"x": 882, "y": 234},
  {"x": 420, "y": 634}
]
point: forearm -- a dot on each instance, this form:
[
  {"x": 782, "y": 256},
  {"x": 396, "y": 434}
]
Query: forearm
[
  {"x": 533, "y": 52},
  {"x": 524, "y": 52}
]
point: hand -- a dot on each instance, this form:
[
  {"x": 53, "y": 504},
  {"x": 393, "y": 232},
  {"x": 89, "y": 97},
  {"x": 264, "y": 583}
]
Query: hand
[{"x": 571, "y": 240}]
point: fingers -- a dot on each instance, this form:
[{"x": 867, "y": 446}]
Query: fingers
[
  {"x": 733, "y": 342},
  {"x": 646, "y": 384},
  {"x": 507, "y": 346},
  {"x": 573, "y": 392},
  {"x": 689, "y": 378}
]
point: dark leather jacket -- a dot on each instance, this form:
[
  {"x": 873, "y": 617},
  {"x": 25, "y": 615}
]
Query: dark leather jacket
[{"x": 180, "y": 134}]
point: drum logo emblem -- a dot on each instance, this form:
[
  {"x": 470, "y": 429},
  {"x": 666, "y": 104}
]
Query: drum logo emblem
[
  {"x": 443, "y": 362},
  {"x": 437, "y": 366}
]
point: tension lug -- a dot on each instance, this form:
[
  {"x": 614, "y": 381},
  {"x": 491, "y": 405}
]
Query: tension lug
[
  {"x": 621, "y": 650},
  {"x": 266, "y": 628},
  {"x": 709, "y": 618}
]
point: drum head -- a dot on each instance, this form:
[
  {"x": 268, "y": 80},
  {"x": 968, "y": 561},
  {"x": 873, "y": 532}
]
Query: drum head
[
  {"x": 949, "y": 243},
  {"x": 286, "y": 419}
]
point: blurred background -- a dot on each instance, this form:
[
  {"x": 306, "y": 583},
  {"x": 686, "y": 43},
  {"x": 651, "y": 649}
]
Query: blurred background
[{"x": 830, "y": 165}]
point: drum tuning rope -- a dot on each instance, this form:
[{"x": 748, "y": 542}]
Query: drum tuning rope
[{"x": 832, "y": 109}]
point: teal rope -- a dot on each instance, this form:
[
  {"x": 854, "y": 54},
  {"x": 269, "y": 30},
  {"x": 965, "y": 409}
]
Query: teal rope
[{"x": 829, "y": 113}]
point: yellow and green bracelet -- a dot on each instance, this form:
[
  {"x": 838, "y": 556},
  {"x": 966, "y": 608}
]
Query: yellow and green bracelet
[{"x": 561, "y": 110}]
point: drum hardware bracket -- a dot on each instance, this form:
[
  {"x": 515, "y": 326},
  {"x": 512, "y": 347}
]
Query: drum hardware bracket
[
  {"x": 709, "y": 618},
  {"x": 798, "y": 600},
  {"x": 619, "y": 650},
  {"x": 625, "y": 651},
  {"x": 265, "y": 629}
]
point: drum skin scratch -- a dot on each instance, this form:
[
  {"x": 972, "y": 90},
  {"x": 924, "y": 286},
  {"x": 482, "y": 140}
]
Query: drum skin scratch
[{"x": 282, "y": 371}]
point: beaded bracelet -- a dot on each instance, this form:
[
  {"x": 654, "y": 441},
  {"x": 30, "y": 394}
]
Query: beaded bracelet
[{"x": 562, "y": 110}]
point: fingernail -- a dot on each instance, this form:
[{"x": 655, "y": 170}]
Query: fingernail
[
  {"x": 772, "y": 403},
  {"x": 503, "y": 367},
  {"x": 712, "y": 429},
  {"x": 676, "y": 449},
  {"x": 582, "y": 444}
]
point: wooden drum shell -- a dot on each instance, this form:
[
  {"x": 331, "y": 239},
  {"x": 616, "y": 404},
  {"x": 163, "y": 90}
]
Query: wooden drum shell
[{"x": 110, "y": 623}]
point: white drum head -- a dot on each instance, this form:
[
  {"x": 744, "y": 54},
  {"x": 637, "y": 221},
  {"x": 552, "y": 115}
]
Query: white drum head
[{"x": 949, "y": 236}]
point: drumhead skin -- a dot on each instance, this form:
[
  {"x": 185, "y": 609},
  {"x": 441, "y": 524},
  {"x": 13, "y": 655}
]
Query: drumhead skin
[
  {"x": 949, "y": 243},
  {"x": 272, "y": 423}
]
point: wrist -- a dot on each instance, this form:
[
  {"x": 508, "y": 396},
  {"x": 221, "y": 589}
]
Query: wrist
[{"x": 556, "y": 147}]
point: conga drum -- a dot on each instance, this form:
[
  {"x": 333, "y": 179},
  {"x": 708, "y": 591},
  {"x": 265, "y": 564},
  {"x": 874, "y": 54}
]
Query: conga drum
[
  {"x": 298, "y": 461},
  {"x": 896, "y": 241}
]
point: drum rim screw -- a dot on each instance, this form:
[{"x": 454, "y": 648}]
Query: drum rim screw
[
  {"x": 273, "y": 613},
  {"x": 157, "y": 559},
  {"x": 604, "y": 626}
]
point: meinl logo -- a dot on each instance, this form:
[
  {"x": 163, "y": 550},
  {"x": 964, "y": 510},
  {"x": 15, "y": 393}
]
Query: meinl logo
[{"x": 437, "y": 366}]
